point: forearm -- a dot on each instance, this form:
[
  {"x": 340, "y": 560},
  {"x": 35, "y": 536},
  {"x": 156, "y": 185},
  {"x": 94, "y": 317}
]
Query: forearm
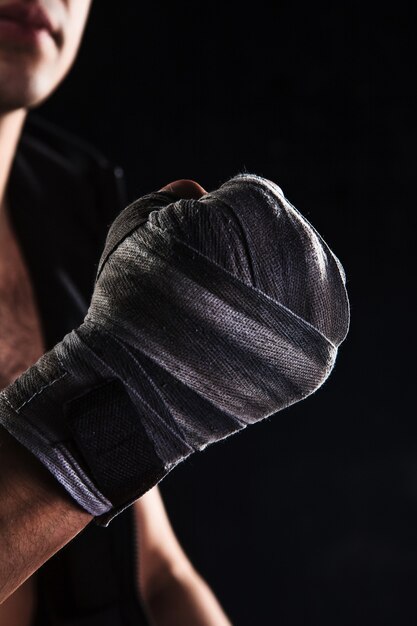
[
  {"x": 174, "y": 593},
  {"x": 37, "y": 517},
  {"x": 183, "y": 597}
]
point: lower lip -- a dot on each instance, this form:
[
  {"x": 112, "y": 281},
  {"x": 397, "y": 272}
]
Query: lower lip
[{"x": 22, "y": 34}]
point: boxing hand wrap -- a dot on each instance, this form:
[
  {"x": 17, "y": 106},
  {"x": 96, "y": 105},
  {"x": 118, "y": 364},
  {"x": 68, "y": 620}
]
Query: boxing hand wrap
[{"x": 207, "y": 315}]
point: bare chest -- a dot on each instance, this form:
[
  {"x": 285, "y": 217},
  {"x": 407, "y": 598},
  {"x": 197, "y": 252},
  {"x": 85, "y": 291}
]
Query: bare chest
[
  {"x": 20, "y": 335},
  {"x": 21, "y": 342}
]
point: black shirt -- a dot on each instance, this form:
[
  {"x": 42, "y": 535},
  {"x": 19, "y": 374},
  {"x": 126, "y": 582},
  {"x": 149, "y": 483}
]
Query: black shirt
[{"x": 63, "y": 195}]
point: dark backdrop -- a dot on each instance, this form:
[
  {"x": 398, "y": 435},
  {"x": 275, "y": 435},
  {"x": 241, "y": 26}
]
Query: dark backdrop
[{"x": 310, "y": 517}]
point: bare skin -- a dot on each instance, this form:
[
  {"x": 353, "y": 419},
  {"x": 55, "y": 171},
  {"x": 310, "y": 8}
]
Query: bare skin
[
  {"x": 36, "y": 516},
  {"x": 21, "y": 342}
]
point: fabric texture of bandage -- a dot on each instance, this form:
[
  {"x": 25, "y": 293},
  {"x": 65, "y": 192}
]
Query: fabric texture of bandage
[{"x": 207, "y": 315}]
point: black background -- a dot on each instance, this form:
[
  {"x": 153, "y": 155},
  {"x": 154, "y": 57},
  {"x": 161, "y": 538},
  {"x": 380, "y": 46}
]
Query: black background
[{"x": 310, "y": 517}]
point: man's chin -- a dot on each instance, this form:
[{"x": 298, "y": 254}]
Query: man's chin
[{"x": 22, "y": 94}]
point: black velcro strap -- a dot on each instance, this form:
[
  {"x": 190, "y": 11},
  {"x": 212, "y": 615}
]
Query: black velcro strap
[{"x": 109, "y": 436}]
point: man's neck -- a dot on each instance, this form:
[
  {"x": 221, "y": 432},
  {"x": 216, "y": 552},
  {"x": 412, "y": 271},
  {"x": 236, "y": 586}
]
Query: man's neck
[{"x": 10, "y": 128}]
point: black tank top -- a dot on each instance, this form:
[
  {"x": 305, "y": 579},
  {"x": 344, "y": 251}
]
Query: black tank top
[{"x": 63, "y": 195}]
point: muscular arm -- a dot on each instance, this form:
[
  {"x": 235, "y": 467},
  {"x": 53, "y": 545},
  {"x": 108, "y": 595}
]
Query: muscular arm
[
  {"x": 37, "y": 517},
  {"x": 174, "y": 593}
]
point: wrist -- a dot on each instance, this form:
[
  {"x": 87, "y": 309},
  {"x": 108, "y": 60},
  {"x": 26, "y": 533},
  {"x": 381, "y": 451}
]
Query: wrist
[{"x": 26, "y": 481}]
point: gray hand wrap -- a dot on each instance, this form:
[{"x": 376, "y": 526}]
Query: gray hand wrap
[{"x": 207, "y": 315}]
